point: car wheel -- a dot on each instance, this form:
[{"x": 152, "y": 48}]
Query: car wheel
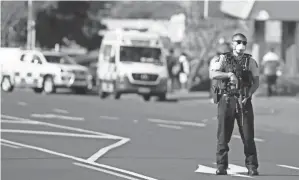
[
  {"x": 48, "y": 85},
  {"x": 6, "y": 84},
  {"x": 101, "y": 93}
]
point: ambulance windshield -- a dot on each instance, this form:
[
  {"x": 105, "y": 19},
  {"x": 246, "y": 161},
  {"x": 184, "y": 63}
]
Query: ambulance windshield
[{"x": 140, "y": 54}]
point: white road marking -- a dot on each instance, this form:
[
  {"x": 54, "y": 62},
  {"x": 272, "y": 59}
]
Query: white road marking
[
  {"x": 109, "y": 117},
  {"x": 233, "y": 171},
  {"x": 214, "y": 118},
  {"x": 17, "y": 122},
  {"x": 77, "y": 159},
  {"x": 255, "y": 139},
  {"x": 104, "y": 150},
  {"x": 205, "y": 120},
  {"x": 290, "y": 167},
  {"x": 22, "y": 103},
  {"x": 8, "y": 145},
  {"x": 97, "y": 155},
  {"x": 135, "y": 121},
  {"x": 205, "y": 169},
  {"x": 62, "y": 111},
  {"x": 105, "y": 171},
  {"x": 169, "y": 126},
  {"x": 64, "y": 127},
  {"x": 49, "y": 133},
  {"x": 184, "y": 123},
  {"x": 52, "y": 116}
]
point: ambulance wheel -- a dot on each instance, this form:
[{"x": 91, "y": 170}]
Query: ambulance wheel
[
  {"x": 101, "y": 93},
  {"x": 162, "y": 97},
  {"x": 147, "y": 97},
  {"x": 81, "y": 90},
  {"x": 38, "y": 90},
  {"x": 117, "y": 95},
  {"x": 6, "y": 84},
  {"x": 48, "y": 85}
]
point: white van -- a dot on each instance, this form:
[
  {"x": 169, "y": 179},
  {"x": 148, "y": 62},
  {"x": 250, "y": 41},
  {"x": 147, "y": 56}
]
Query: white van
[
  {"x": 132, "y": 61},
  {"x": 43, "y": 71}
]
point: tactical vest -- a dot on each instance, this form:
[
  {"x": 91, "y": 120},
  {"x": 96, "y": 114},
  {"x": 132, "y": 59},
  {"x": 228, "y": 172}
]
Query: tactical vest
[{"x": 240, "y": 68}]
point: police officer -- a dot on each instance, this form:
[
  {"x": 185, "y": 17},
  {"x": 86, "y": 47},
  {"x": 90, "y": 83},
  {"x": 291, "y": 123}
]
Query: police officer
[{"x": 229, "y": 68}]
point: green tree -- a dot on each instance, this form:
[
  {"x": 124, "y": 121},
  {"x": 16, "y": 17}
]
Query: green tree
[{"x": 74, "y": 20}]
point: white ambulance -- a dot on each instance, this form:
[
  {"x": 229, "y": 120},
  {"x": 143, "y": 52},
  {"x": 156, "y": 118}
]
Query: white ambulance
[
  {"x": 43, "y": 71},
  {"x": 132, "y": 61}
]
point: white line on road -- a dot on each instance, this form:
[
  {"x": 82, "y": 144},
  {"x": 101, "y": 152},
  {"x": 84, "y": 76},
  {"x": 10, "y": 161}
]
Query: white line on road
[
  {"x": 62, "y": 111},
  {"x": 22, "y": 103},
  {"x": 233, "y": 170},
  {"x": 290, "y": 167},
  {"x": 53, "y": 116},
  {"x": 109, "y": 117},
  {"x": 205, "y": 120},
  {"x": 65, "y": 127},
  {"x": 53, "y": 133},
  {"x": 78, "y": 159},
  {"x": 255, "y": 139},
  {"x": 185, "y": 123},
  {"x": 104, "y": 150},
  {"x": 17, "y": 122},
  {"x": 9, "y": 145},
  {"x": 169, "y": 126},
  {"x": 105, "y": 171}
]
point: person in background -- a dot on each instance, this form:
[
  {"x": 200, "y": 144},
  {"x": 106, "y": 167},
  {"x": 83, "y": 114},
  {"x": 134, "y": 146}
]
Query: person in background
[
  {"x": 184, "y": 71},
  {"x": 173, "y": 77},
  {"x": 270, "y": 65}
]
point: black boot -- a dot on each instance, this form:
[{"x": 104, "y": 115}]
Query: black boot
[
  {"x": 253, "y": 172},
  {"x": 221, "y": 171}
]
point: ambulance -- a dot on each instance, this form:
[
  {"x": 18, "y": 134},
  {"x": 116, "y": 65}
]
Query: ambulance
[{"x": 132, "y": 61}]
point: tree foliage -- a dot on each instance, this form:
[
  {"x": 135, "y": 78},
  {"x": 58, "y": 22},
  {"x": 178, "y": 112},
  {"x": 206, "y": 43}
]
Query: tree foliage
[
  {"x": 146, "y": 9},
  {"x": 11, "y": 14},
  {"x": 73, "y": 20}
]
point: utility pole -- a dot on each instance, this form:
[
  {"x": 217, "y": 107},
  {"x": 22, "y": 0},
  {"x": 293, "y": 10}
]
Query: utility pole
[
  {"x": 30, "y": 26},
  {"x": 206, "y": 9}
]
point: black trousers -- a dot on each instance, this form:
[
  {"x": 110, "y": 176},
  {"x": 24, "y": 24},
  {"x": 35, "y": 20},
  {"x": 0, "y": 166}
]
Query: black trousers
[
  {"x": 226, "y": 119},
  {"x": 271, "y": 81}
]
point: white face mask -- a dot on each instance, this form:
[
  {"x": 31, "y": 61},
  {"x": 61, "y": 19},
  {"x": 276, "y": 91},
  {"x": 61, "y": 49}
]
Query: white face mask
[{"x": 240, "y": 48}]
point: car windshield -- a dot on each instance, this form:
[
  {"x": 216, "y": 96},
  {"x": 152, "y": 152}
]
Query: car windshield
[
  {"x": 140, "y": 54},
  {"x": 59, "y": 59}
]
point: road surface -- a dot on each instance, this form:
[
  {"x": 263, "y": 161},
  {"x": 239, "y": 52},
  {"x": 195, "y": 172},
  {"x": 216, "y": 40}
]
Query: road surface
[{"x": 73, "y": 137}]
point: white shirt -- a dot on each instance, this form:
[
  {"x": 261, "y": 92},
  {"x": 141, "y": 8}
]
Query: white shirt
[{"x": 185, "y": 63}]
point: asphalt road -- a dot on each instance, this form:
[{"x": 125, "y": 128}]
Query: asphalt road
[{"x": 71, "y": 137}]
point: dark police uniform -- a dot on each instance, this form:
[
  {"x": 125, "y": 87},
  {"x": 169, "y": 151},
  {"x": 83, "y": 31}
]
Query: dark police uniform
[{"x": 228, "y": 110}]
